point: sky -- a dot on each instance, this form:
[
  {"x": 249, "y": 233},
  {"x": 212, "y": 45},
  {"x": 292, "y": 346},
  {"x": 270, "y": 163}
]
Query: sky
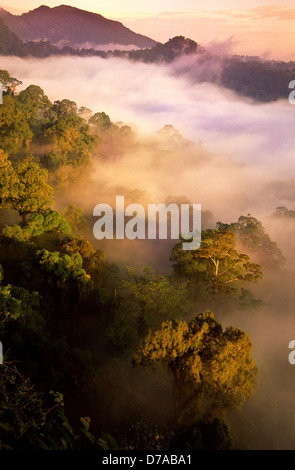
[{"x": 255, "y": 27}]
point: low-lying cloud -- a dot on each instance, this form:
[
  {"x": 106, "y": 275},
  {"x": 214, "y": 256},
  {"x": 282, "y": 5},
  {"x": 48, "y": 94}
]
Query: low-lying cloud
[
  {"x": 242, "y": 157},
  {"x": 244, "y": 152},
  {"x": 152, "y": 95}
]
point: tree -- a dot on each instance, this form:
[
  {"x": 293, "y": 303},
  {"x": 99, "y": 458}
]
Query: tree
[
  {"x": 15, "y": 133},
  {"x": 65, "y": 107},
  {"x": 92, "y": 259},
  {"x": 71, "y": 147},
  {"x": 9, "y": 83},
  {"x": 142, "y": 435},
  {"x": 284, "y": 212},
  {"x": 212, "y": 369},
  {"x": 250, "y": 234},
  {"x": 8, "y": 182},
  {"x": 74, "y": 215},
  {"x": 34, "y": 420},
  {"x": 63, "y": 267},
  {"x": 100, "y": 121},
  {"x": 31, "y": 419},
  {"x": 154, "y": 298},
  {"x": 33, "y": 192},
  {"x": 34, "y": 103},
  {"x": 203, "y": 435},
  {"x": 216, "y": 264},
  {"x": 19, "y": 310},
  {"x": 95, "y": 264},
  {"x": 85, "y": 113},
  {"x": 61, "y": 281},
  {"x": 36, "y": 225}
]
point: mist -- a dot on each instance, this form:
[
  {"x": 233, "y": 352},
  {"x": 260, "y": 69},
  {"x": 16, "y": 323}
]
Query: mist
[
  {"x": 242, "y": 151},
  {"x": 232, "y": 156},
  {"x": 153, "y": 95}
]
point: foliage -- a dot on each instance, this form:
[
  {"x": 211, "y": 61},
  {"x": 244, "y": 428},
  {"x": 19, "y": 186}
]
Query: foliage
[
  {"x": 34, "y": 103},
  {"x": 63, "y": 266},
  {"x": 21, "y": 410},
  {"x": 247, "y": 301},
  {"x": 263, "y": 81},
  {"x": 31, "y": 421},
  {"x": 74, "y": 216},
  {"x": 69, "y": 136},
  {"x": 212, "y": 369},
  {"x": 167, "y": 52},
  {"x": 216, "y": 264},
  {"x": 284, "y": 212},
  {"x": 25, "y": 188},
  {"x": 100, "y": 121},
  {"x": 9, "y": 183},
  {"x": 15, "y": 132},
  {"x": 9, "y": 83},
  {"x": 93, "y": 260},
  {"x": 250, "y": 233},
  {"x": 203, "y": 435},
  {"x": 37, "y": 225},
  {"x": 107, "y": 442},
  {"x": 17, "y": 303},
  {"x": 154, "y": 298},
  {"x": 121, "y": 333},
  {"x": 142, "y": 435},
  {"x": 64, "y": 108},
  {"x": 69, "y": 319}
]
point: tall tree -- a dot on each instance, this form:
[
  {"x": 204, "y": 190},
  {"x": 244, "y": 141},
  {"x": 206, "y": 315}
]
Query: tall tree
[
  {"x": 8, "y": 182},
  {"x": 216, "y": 264},
  {"x": 9, "y": 83},
  {"x": 154, "y": 298},
  {"x": 212, "y": 369},
  {"x": 251, "y": 235},
  {"x": 15, "y": 133},
  {"x": 34, "y": 193},
  {"x": 34, "y": 103},
  {"x": 71, "y": 145}
]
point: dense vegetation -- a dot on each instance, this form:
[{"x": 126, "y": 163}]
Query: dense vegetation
[{"x": 76, "y": 328}]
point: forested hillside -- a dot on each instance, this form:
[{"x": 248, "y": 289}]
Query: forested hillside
[
  {"x": 72, "y": 27},
  {"x": 98, "y": 355}
]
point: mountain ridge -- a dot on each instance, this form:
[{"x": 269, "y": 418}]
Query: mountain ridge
[{"x": 72, "y": 26}]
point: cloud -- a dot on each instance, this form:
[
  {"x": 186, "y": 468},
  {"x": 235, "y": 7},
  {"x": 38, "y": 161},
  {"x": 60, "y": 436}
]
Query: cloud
[
  {"x": 97, "y": 47},
  {"x": 270, "y": 11},
  {"x": 250, "y": 145},
  {"x": 258, "y": 30}
]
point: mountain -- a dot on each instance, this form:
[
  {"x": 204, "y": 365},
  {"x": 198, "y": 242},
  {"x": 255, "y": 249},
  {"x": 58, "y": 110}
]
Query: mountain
[
  {"x": 10, "y": 44},
  {"x": 175, "y": 47},
  {"x": 68, "y": 26},
  {"x": 261, "y": 80}
]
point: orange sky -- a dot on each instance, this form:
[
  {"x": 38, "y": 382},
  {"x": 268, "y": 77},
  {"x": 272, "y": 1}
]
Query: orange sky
[
  {"x": 259, "y": 28},
  {"x": 264, "y": 31}
]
